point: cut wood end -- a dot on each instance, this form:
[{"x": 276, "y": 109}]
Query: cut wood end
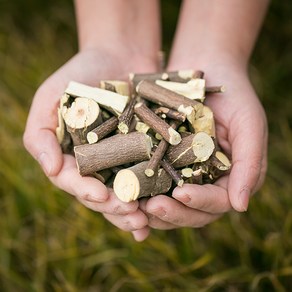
[
  {"x": 149, "y": 172},
  {"x": 186, "y": 74},
  {"x": 187, "y": 172},
  {"x": 142, "y": 127},
  {"x": 123, "y": 128},
  {"x": 224, "y": 159},
  {"x": 92, "y": 137},
  {"x": 174, "y": 136},
  {"x": 203, "y": 146},
  {"x": 126, "y": 186},
  {"x": 82, "y": 113}
]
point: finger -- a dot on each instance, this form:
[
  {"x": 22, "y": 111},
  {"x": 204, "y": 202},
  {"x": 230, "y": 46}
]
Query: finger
[
  {"x": 153, "y": 221},
  {"x": 174, "y": 212},
  {"x": 141, "y": 234},
  {"x": 70, "y": 181},
  {"x": 247, "y": 164},
  {"x": 111, "y": 206},
  {"x": 130, "y": 222},
  {"x": 208, "y": 198}
]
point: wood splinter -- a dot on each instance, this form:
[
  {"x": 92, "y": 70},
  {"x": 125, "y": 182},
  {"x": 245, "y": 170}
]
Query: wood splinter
[
  {"x": 102, "y": 130},
  {"x": 111, "y": 101},
  {"x": 131, "y": 183},
  {"x": 157, "y": 124}
]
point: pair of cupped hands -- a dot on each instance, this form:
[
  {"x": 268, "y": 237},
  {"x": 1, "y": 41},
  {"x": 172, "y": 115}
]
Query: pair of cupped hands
[{"x": 240, "y": 130}]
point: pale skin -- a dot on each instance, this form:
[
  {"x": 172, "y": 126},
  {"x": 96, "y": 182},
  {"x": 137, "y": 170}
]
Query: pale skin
[{"x": 117, "y": 37}]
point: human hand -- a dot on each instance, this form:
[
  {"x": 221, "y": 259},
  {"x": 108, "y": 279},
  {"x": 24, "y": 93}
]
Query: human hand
[
  {"x": 242, "y": 133},
  {"x": 40, "y": 140}
]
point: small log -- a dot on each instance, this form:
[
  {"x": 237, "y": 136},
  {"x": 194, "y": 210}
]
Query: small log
[
  {"x": 157, "y": 124},
  {"x": 113, "y": 102},
  {"x": 205, "y": 123},
  {"x": 165, "y": 97},
  {"x": 170, "y": 113},
  {"x": 113, "y": 151},
  {"x": 102, "y": 130},
  {"x": 193, "y": 89},
  {"x": 215, "y": 89},
  {"x": 126, "y": 117},
  {"x": 193, "y": 148},
  {"x": 131, "y": 184},
  {"x": 176, "y": 76},
  {"x": 120, "y": 87},
  {"x": 172, "y": 172},
  {"x": 80, "y": 118}
]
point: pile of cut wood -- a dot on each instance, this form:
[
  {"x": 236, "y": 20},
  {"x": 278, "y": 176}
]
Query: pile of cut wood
[{"x": 145, "y": 136}]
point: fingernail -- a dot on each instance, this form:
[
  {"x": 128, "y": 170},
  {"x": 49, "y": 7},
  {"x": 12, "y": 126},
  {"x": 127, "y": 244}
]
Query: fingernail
[
  {"x": 182, "y": 198},
  {"x": 158, "y": 212},
  {"x": 95, "y": 198},
  {"x": 45, "y": 163},
  {"x": 244, "y": 198}
]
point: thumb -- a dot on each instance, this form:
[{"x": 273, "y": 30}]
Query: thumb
[
  {"x": 248, "y": 149},
  {"x": 39, "y": 137},
  {"x": 42, "y": 144}
]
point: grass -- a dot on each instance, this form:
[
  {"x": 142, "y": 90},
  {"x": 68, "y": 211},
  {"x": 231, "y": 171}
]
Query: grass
[{"x": 49, "y": 242}]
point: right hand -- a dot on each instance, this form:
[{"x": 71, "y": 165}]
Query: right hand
[{"x": 87, "y": 67}]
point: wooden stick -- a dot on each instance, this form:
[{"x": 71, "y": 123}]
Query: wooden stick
[
  {"x": 215, "y": 89},
  {"x": 170, "y": 113},
  {"x": 193, "y": 148},
  {"x": 131, "y": 183},
  {"x": 176, "y": 76},
  {"x": 80, "y": 118},
  {"x": 111, "y": 101},
  {"x": 113, "y": 151},
  {"x": 157, "y": 124},
  {"x": 158, "y": 154},
  {"x": 102, "y": 130},
  {"x": 165, "y": 97},
  {"x": 126, "y": 117},
  {"x": 155, "y": 159},
  {"x": 172, "y": 172}
]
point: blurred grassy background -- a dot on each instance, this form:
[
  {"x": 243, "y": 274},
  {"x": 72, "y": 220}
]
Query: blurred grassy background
[{"x": 49, "y": 242}]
